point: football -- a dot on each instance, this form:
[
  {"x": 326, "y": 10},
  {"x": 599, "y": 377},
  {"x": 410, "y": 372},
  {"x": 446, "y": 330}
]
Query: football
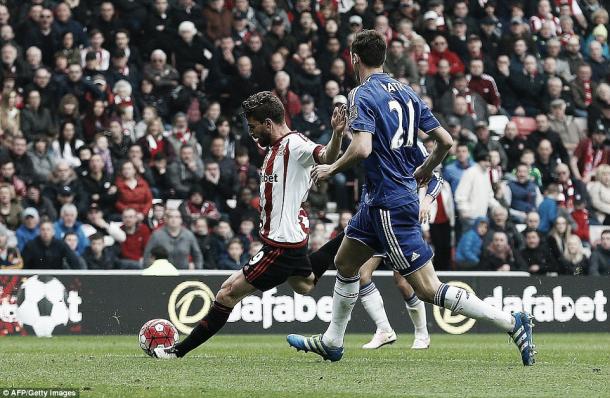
[
  {"x": 157, "y": 333},
  {"x": 42, "y": 305}
]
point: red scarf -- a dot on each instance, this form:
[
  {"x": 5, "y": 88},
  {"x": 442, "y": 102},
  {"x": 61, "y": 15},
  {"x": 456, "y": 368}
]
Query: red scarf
[
  {"x": 592, "y": 158},
  {"x": 588, "y": 92},
  {"x": 566, "y": 195}
]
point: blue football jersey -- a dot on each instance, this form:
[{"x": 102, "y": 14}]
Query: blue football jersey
[{"x": 393, "y": 114}]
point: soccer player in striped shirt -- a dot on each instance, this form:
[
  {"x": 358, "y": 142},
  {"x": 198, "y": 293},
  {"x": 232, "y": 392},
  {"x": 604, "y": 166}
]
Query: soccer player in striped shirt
[{"x": 285, "y": 183}]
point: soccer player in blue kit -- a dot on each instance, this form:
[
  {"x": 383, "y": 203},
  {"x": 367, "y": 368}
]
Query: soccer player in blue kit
[{"x": 385, "y": 117}]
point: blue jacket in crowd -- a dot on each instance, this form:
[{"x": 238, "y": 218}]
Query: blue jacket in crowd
[
  {"x": 61, "y": 230},
  {"x": 24, "y": 235},
  {"x": 469, "y": 247},
  {"x": 548, "y": 213}
]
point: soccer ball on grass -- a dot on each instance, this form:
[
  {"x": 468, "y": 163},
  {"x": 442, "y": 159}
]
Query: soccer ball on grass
[{"x": 157, "y": 333}]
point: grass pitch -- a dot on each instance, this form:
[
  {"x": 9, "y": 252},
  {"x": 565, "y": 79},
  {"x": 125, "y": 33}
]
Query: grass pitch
[{"x": 570, "y": 365}]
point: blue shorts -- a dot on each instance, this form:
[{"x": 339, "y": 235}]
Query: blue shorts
[{"x": 395, "y": 231}]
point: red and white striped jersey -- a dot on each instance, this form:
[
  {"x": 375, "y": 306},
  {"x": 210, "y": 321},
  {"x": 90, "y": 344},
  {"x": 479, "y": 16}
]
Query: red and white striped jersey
[{"x": 285, "y": 183}]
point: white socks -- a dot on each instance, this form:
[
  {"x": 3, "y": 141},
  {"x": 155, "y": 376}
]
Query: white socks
[
  {"x": 373, "y": 304},
  {"x": 344, "y": 298},
  {"x": 417, "y": 313},
  {"x": 465, "y": 303}
]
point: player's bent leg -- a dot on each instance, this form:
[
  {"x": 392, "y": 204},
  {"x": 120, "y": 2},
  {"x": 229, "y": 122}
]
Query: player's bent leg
[
  {"x": 324, "y": 258},
  {"x": 302, "y": 285},
  {"x": 232, "y": 291},
  {"x": 517, "y": 325},
  {"x": 417, "y": 312},
  {"x": 373, "y": 304}
]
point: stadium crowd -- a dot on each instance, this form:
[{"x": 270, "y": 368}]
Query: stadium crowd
[{"x": 121, "y": 132}]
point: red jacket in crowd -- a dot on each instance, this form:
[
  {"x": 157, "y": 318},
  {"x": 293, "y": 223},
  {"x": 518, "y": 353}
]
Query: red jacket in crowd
[
  {"x": 134, "y": 245},
  {"x": 140, "y": 198},
  {"x": 454, "y": 60},
  {"x": 485, "y": 86}
]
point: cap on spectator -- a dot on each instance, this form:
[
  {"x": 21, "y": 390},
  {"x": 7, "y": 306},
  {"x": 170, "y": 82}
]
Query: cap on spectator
[
  {"x": 355, "y": 20},
  {"x": 340, "y": 99},
  {"x": 30, "y": 212},
  {"x": 242, "y": 15},
  {"x": 488, "y": 21},
  {"x": 600, "y": 30},
  {"x": 480, "y": 124},
  {"x": 119, "y": 53},
  {"x": 187, "y": 26},
  {"x": 556, "y": 103},
  {"x": 90, "y": 56},
  {"x": 453, "y": 121},
  {"x": 516, "y": 21},
  {"x": 277, "y": 20},
  {"x": 459, "y": 21},
  {"x": 306, "y": 99},
  {"x": 481, "y": 154},
  {"x": 93, "y": 207},
  {"x": 598, "y": 128},
  {"x": 99, "y": 79},
  {"x": 66, "y": 190},
  {"x": 430, "y": 15}
]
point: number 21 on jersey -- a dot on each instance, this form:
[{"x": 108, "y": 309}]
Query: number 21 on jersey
[{"x": 398, "y": 140}]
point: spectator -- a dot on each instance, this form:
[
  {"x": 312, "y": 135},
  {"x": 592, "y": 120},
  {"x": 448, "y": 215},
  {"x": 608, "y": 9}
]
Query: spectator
[
  {"x": 154, "y": 142},
  {"x": 48, "y": 252},
  {"x": 522, "y": 194},
  {"x": 474, "y": 194},
  {"x": 10, "y": 258},
  {"x": 569, "y": 131},
  {"x": 207, "y": 247},
  {"x": 196, "y": 207},
  {"x": 42, "y": 204},
  {"x": 528, "y": 85},
  {"x": 590, "y": 154},
  {"x": 68, "y": 223},
  {"x": 536, "y": 255},
  {"x": 29, "y": 228},
  {"x": 532, "y": 221},
  {"x": 185, "y": 172},
  {"x": 71, "y": 240},
  {"x": 97, "y": 256},
  {"x": 236, "y": 256},
  {"x": 484, "y": 85},
  {"x": 440, "y": 51},
  {"x": 599, "y": 190},
  {"x": 10, "y": 120},
  {"x": 179, "y": 242},
  {"x": 557, "y": 239},
  {"x": 512, "y": 144},
  {"x": 501, "y": 223},
  {"x": 35, "y": 120},
  {"x": 576, "y": 261},
  {"x": 484, "y": 142},
  {"x": 468, "y": 251},
  {"x": 66, "y": 146},
  {"x": 308, "y": 123},
  {"x": 98, "y": 185},
  {"x": 163, "y": 76},
  {"x": 132, "y": 191},
  {"x": 499, "y": 256},
  {"x": 160, "y": 266},
  {"x": 600, "y": 258},
  {"x": 10, "y": 208},
  {"x": 43, "y": 159},
  {"x": 132, "y": 248},
  {"x": 570, "y": 189},
  {"x": 583, "y": 88},
  {"x": 290, "y": 100},
  {"x": 453, "y": 172}
]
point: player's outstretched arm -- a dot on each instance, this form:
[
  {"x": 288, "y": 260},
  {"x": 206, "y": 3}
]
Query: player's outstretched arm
[
  {"x": 338, "y": 122},
  {"x": 443, "y": 145},
  {"x": 360, "y": 148}
]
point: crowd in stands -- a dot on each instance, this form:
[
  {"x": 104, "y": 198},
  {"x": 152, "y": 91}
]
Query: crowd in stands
[{"x": 121, "y": 131}]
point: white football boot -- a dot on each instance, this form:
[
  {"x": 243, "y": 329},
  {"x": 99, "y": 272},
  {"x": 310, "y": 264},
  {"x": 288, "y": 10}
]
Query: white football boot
[
  {"x": 380, "y": 338},
  {"x": 421, "y": 342},
  {"x": 164, "y": 353}
]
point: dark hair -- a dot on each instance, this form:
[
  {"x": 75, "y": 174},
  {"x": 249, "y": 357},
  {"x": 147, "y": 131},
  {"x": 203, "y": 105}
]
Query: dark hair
[
  {"x": 159, "y": 253},
  {"x": 70, "y": 233},
  {"x": 96, "y": 236},
  {"x": 236, "y": 241},
  {"x": 521, "y": 164},
  {"x": 530, "y": 230},
  {"x": 370, "y": 46},
  {"x": 605, "y": 231},
  {"x": 264, "y": 105},
  {"x": 241, "y": 151}
]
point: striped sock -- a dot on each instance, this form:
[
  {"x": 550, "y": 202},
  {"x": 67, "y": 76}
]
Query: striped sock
[
  {"x": 417, "y": 313},
  {"x": 373, "y": 304},
  {"x": 468, "y": 304},
  {"x": 344, "y": 298}
]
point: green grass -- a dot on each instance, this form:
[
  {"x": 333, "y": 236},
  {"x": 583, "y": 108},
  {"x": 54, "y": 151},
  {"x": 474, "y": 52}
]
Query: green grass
[{"x": 571, "y": 365}]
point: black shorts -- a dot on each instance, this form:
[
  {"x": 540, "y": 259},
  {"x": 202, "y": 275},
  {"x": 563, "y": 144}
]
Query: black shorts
[{"x": 272, "y": 266}]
